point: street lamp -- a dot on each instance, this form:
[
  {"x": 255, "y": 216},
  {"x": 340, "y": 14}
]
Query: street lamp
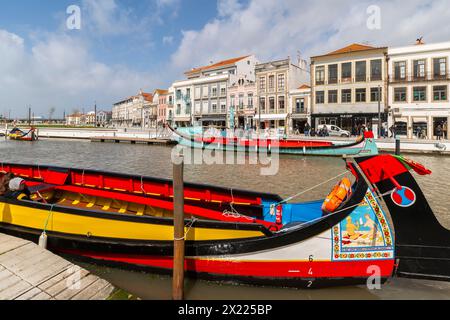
[{"x": 379, "y": 111}]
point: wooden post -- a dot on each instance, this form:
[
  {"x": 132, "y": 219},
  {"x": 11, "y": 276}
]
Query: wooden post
[{"x": 178, "y": 215}]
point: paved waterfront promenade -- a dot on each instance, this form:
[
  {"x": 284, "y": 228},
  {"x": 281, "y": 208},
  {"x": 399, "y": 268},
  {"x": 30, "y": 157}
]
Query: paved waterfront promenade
[
  {"x": 385, "y": 145},
  {"x": 28, "y": 272}
]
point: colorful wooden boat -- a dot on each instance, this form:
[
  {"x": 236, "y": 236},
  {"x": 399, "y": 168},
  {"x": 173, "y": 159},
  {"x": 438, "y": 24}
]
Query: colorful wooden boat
[
  {"x": 363, "y": 146},
  {"x": 235, "y": 235},
  {"x": 17, "y": 134}
]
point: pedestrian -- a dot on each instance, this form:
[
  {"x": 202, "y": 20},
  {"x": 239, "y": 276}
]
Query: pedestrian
[
  {"x": 439, "y": 132},
  {"x": 307, "y": 129}
]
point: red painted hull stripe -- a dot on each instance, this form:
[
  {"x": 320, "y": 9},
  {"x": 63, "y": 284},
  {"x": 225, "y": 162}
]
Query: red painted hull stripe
[{"x": 272, "y": 269}]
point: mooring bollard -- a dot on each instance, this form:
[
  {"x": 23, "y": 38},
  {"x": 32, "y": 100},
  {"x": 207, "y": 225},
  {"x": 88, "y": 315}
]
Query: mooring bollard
[
  {"x": 397, "y": 146},
  {"x": 178, "y": 215}
]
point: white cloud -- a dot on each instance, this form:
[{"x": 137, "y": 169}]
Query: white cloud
[
  {"x": 59, "y": 71},
  {"x": 275, "y": 29}
]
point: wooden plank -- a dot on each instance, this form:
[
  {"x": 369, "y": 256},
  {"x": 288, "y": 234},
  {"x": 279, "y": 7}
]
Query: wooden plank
[
  {"x": 30, "y": 272},
  {"x": 91, "y": 290},
  {"x": 70, "y": 292},
  {"x": 103, "y": 294},
  {"x": 16, "y": 290},
  {"x": 47, "y": 273},
  {"x": 8, "y": 282},
  {"x": 30, "y": 294},
  {"x": 65, "y": 283},
  {"x": 42, "y": 296},
  {"x": 45, "y": 285}
]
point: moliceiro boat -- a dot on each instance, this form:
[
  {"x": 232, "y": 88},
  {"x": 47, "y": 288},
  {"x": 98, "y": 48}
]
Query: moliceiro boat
[
  {"x": 363, "y": 146},
  {"x": 237, "y": 235},
  {"x": 17, "y": 134}
]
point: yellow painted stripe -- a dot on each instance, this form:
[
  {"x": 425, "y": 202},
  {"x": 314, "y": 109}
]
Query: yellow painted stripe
[{"x": 107, "y": 228}]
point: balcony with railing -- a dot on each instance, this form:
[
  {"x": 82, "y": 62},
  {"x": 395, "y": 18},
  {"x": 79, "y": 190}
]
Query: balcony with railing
[{"x": 424, "y": 77}]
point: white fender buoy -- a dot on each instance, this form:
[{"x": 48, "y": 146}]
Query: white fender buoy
[{"x": 43, "y": 240}]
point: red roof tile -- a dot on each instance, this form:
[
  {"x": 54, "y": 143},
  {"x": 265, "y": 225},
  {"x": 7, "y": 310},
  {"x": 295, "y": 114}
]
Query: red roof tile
[{"x": 216, "y": 65}]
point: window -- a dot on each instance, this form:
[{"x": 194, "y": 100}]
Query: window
[
  {"x": 400, "y": 70},
  {"x": 223, "y": 91},
  {"x": 178, "y": 109},
  {"x": 178, "y": 94},
  {"x": 271, "y": 82},
  {"x": 361, "y": 71},
  {"x": 346, "y": 71},
  {"x": 232, "y": 100},
  {"x": 320, "y": 75},
  {"x": 241, "y": 101},
  {"x": 332, "y": 73},
  {"x": 271, "y": 104},
  {"x": 262, "y": 83},
  {"x": 420, "y": 93},
  {"x": 346, "y": 96},
  {"x": 439, "y": 68},
  {"x": 197, "y": 92},
  {"x": 376, "y": 70},
  {"x": 361, "y": 95},
  {"x": 374, "y": 94},
  {"x": 281, "y": 82},
  {"x": 332, "y": 96},
  {"x": 250, "y": 100},
  {"x": 281, "y": 103},
  {"x": 262, "y": 104},
  {"x": 205, "y": 91},
  {"x": 188, "y": 93},
  {"x": 440, "y": 93},
  {"x": 419, "y": 69},
  {"x": 320, "y": 97},
  {"x": 214, "y": 91},
  {"x": 299, "y": 105},
  {"x": 214, "y": 107},
  {"x": 223, "y": 106},
  {"x": 400, "y": 95}
]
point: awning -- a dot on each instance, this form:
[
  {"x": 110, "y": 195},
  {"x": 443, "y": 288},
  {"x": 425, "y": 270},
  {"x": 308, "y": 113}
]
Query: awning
[{"x": 272, "y": 116}]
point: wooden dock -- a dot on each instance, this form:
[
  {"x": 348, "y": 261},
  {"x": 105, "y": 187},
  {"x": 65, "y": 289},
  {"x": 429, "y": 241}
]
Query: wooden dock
[
  {"x": 149, "y": 141},
  {"x": 28, "y": 272}
]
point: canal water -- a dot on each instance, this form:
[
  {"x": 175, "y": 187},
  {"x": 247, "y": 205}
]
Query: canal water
[{"x": 294, "y": 174}]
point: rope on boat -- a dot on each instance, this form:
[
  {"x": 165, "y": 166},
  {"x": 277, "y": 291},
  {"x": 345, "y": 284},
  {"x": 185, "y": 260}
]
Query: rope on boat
[
  {"x": 142, "y": 185},
  {"x": 234, "y": 213},
  {"x": 189, "y": 225},
  {"x": 335, "y": 212}
]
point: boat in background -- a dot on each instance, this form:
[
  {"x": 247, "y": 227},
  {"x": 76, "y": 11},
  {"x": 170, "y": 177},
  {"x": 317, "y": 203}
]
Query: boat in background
[
  {"x": 18, "y": 134},
  {"x": 363, "y": 146},
  {"x": 237, "y": 235}
]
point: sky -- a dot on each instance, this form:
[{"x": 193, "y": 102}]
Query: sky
[{"x": 123, "y": 46}]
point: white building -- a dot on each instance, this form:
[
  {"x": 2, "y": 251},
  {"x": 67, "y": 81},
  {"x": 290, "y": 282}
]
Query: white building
[
  {"x": 274, "y": 81},
  {"x": 419, "y": 80},
  {"x": 130, "y": 112},
  {"x": 202, "y": 98},
  {"x": 345, "y": 85}
]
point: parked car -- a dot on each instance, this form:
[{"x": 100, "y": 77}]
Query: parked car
[{"x": 334, "y": 131}]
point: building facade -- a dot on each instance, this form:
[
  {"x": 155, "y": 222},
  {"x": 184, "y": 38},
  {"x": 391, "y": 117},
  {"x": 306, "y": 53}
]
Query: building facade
[
  {"x": 419, "y": 78},
  {"x": 299, "y": 108},
  {"x": 242, "y": 103},
  {"x": 349, "y": 87},
  {"x": 202, "y": 99},
  {"x": 274, "y": 81},
  {"x": 104, "y": 118},
  {"x": 162, "y": 96},
  {"x": 130, "y": 112}
]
